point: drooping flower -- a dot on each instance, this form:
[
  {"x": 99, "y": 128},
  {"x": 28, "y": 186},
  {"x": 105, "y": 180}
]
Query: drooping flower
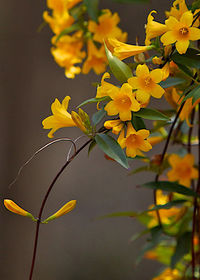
[
  {"x": 122, "y": 50},
  {"x": 106, "y": 27},
  {"x": 68, "y": 207},
  {"x": 123, "y": 102},
  {"x": 60, "y": 118},
  {"x": 105, "y": 87},
  {"x": 96, "y": 59},
  {"x": 13, "y": 207},
  {"x": 180, "y": 32},
  {"x": 115, "y": 125},
  {"x": 178, "y": 8},
  {"x": 168, "y": 274},
  {"x": 182, "y": 169},
  {"x": 146, "y": 83},
  {"x": 153, "y": 28},
  {"x": 135, "y": 141}
]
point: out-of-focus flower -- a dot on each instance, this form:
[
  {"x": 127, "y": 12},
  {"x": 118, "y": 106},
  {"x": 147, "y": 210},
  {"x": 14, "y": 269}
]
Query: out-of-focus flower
[
  {"x": 146, "y": 83},
  {"x": 13, "y": 207},
  {"x": 178, "y": 8},
  {"x": 135, "y": 141},
  {"x": 180, "y": 32},
  {"x": 106, "y": 27},
  {"x": 115, "y": 125},
  {"x": 182, "y": 169},
  {"x": 153, "y": 28},
  {"x": 122, "y": 50},
  {"x": 69, "y": 206},
  {"x": 153, "y": 140},
  {"x": 123, "y": 102},
  {"x": 168, "y": 274},
  {"x": 96, "y": 59},
  {"x": 60, "y": 118}
]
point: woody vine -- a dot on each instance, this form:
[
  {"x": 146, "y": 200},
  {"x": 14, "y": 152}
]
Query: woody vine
[{"x": 166, "y": 66}]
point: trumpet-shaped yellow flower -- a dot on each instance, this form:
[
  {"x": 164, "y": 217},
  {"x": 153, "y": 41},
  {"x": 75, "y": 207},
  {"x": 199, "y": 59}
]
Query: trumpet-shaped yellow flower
[
  {"x": 69, "y": 206},
  {"x": 182, "y": 169},
  {"x": 146, "y": 83},
  {"x": 153, "y": 28},
  {"x": 178, "y": 8},
  {"x": 135, "y": 141},
  {"x": 122, "y": 50},
  {"x": 180, "y": 32},
  {"x": 115, "y": 125},
  {"x": 60, "y": 6},
  {"x": 123, "y": 102},
  {"x": 96, "y": 59},
  {"x": 105, "y": 87},
  {"x": 60, "y": 118},
  {"x": 106, "y": 26},
  {"x": 168, "y": 274},
  {"x": 13, "y": 207}
]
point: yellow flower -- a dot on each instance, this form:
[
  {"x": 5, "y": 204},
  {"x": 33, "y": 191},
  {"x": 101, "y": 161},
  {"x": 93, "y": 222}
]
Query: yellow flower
[
  {"x": 106, "y": 26},
  {"x": 123, "y": 102},
  {"x": 69, "y": 206},
  {"x": 153, "y": 28},
  {"x": 96, "y": 59},
  {"x": 168, "y": 274},
  {"x": 180, "y": 32},
  {"x": 166, "y": 215},
  {"x": 60, "y": 118},
  {"x": 146, "y": 83},
  {"x": 122, "y": 50},
  {"x": 67, "y": 52},
  {"x": 13, "y": 207},
  {"x": 105, "y": 87},
  {"x": 135, "y": 141},
  {"x": 182, "y": 169},
  {"x": 59, "y": 6},
  {"x": 178, "y": 8},
  {"x": 153, "y": 140},
  {"x": 115, "y": 125}
]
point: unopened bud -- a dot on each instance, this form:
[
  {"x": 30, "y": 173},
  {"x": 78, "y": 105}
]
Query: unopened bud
[
  {"x": 13, "y": 207},
  {"x": 78, "y": 121}
]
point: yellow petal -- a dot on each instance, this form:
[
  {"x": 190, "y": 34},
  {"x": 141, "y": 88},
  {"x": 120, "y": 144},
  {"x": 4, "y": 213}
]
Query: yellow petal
[
  {"x": 142, "y": 96},
  {"x": 157, "y": 75},
  {"x": 157, "y": 91},
  {"x": 111, "y": 109},
  {"x": 121, "y": 139},
  {"x": 125, "y": 116},
  {"x": 194, "y": 33},
  {"x": 146, "y": 146},
  {"x": 133, "y": 81},
  {"x": 142, "y": 70},
  {"x": 168, "y": 38},
  {"x": 182, "y": 46},
  {"x": 171, "y": 22},
  {"x": 187, "y": 18},
  {"x": 144, "y": 133}
]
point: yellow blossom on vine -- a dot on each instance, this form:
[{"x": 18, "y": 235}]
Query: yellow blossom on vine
[
  {"x": 59, "y": 6},
  {"x": 166, "y": 215},
  {"x": 153, "y": 28},
  {"x": 146, "y": 83},
  {"x": 60, "y": 118},
  {"x": 115, "y": 125},
  {"x": 67, "y": 52},
  {"x": 182, "y": 169},
  {"x": 168, "y": 274},
  {"x": 180, "y": 32},
  {"x": 13, "y": 207},
  {"x": 105, "y": 87},
  {"x": 135, "y": 141},
  {"x": 178, "y": 8},
  {"x": 106, "y": 27},
  {"x": 123, "y": 103},
  {"x": 122, "y": 50},
  {"x": 96, "y": 59}
]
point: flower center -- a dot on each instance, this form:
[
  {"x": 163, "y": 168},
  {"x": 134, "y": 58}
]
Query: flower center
[
  {"x": 133, "y": 141},
  {"x": 183, "y": 31},
  {"x": 123, "y": 102},
  {"x": 183, "y": 171},
  {"x": 147, "y": 81}
]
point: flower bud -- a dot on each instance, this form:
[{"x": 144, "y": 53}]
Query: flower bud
[
  {"x": 13, "y": 207},
  {"x": 77, "y": 119},
  {"x": 69, "y": 206}
]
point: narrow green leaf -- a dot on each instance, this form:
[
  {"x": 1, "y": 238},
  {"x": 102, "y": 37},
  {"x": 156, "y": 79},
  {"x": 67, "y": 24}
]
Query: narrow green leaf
[
  {"x": 111, "y": 147},
  {"x": 139, "y": 169},
  {"x": 91, "y": 146},
  {"x": 195, "y": 94},
  {"x": 94, "y": 100},
  {"x": 170, "y": 82},
  {"x": 68, "y": 30},
  {"x": 170, "y": 187},
  {"x": 138, "y": 235},
  {"x": 185, "y": 70},
  {"x": 182, "y": 248},
  {"x": 98, "y": 116},
  {"x": 167, "y": 205},
  {"x": 137, "y": 122},
  {"x": 92, "y": 8},
  {"x": 120, "y": 70},
  {"x": 191, "y": 58},
  {"x": 151, "y": 114}
]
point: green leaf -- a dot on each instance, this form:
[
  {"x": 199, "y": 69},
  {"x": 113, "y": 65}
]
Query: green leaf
[
  {"x": 170, "y": 187},
  {"x": 191, "y": 58},
  {"x": 138, "y": 235},
  {"x": 98, "y": 116},
  {"x": 91, "y": 147},
  {"x": 111, "y": 147},
  {"x": 182, "y": 248},
  {"x": 139, "y": 169},
  {"x": 151, "y": 114},
  {"x": 68, "y": 30},
  {"x": 120, "y": 70},
  {"x": 167, "y": 205},
  {"x": 170, "y": 82},
  {"x": 92, "y": 8},
  {"x": 195, "y": 94},
  {"x": 94, "y": 100},
  {"x": 185, "y": 70},
  {"x": 137, "y": 122}
]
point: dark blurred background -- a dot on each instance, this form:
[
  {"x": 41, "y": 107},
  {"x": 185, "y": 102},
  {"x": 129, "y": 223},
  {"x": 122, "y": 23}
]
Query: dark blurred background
[{"x": 78, "y": 245}]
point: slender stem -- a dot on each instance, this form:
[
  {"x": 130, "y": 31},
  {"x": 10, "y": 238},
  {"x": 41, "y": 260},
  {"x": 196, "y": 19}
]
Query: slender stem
[
  {"x": 190, "y": 131},
  {"x": 44, "y": 202}
]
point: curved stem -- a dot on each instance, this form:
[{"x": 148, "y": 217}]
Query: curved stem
[{"x": 44, "y": 202}]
